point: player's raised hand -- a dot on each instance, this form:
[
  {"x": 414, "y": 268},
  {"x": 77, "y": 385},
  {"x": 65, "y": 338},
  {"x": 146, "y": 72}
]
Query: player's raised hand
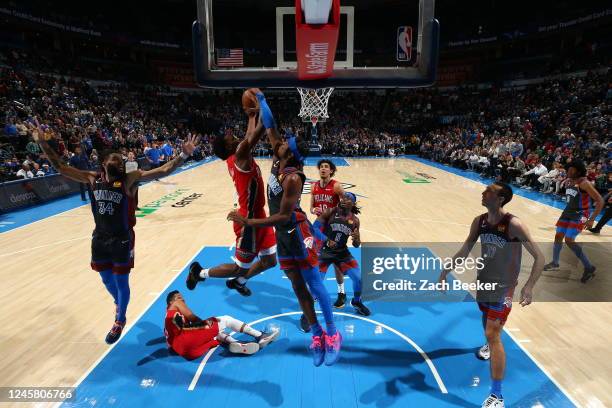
[
  {"x": 526, "y": 295},
  {"x": 190, "y": 144}
]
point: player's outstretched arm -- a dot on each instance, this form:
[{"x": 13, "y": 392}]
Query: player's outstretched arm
[
  {"x": 293, "y": 189},
  {"x": 599, "y": 202},
  {"x": 355, "y": 235},
  {"x": 189, "y": 146},
  {"x": 255, "y": 131},
  {"x": 268, "y": 122},
  {"x": 67, "y": 171},
  {"x": 520, "y": 231}
]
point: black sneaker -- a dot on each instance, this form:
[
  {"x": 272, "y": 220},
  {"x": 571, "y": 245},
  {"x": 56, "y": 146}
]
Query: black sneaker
[
  {"x": 551, "y": 266},
  {"x": 594, "y": 231},
  {"x": 360, "y": 308},
  {"x": 242, "y": 289},
  {"x": 340, "y": 301},
  {"x": 589, "y": 273},
  {"x": 194, "y": 275},
  {"x": 304, "y": 326},
  {"x": 115, "y": 332}
]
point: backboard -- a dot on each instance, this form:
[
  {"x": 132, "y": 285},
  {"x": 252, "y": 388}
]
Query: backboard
[{"x": 381, "y": 44}]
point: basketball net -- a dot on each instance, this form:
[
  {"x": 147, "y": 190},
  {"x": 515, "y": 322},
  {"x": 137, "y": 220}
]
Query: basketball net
[{"x": 314, "y": 104}]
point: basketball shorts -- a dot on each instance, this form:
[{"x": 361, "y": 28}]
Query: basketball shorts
[
  {"x": 500, "y": 308},
  {"x": 195, "y": 341},
  {"x": 252, "y": 242},
  {"x": 570, "y": 228},
  {"x": 343, "y": 262},
  {"x": 114, "y": 252},
  {"x": 297, "y": 247}
]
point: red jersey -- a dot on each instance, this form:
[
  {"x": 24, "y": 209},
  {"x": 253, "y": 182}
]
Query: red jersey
[
  {"x": 190, "y": 342},
  {"x": 249, "y": 187},
  {"x": 325, "y": 197}
]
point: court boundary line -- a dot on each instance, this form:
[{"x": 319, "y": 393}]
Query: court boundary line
[
  {"x": 542, "y": 369},
  {"x": 128, "y": 328},
  {"x": 88, "y": 203},
  {"x": 401, "y": 335}
]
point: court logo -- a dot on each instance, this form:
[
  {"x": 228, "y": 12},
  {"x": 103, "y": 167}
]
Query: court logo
[
  {"x": 155, "y": 205},
  {"x": 404, "y": 43},
  {"x": 187, "y": 200}
]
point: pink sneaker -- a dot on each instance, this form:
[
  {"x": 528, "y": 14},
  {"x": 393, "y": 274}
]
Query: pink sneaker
[
  {"x": 332, "y": 348},
  {"x": 317, "y": 349}
]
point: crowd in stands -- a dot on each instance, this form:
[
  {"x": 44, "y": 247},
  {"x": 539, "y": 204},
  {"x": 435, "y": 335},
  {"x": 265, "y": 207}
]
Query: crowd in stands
[
  {"x": 522, "y": 135},
  {"x": 527, "y": 137}
]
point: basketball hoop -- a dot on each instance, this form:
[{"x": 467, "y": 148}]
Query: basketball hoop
[{"x": 314, "y": 104}]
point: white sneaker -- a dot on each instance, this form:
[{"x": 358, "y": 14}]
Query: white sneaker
[
  {"x": 243, "y": 348},
  {"x": 493, "y": 402},
  {"x": 484, "y": 353},
  {"x": 267, "y": 338}
]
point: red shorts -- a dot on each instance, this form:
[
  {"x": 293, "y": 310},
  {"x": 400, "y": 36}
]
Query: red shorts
[
  {"x": 252, "y": 242},
  {"x": 194, "y": 342},
  {"x": 498, "y": 310},
  {"x": 342, "y": 266}
]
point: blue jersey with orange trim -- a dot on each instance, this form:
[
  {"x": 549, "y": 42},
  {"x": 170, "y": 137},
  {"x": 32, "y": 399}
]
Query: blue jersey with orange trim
[{"x": 579, "y": 202}]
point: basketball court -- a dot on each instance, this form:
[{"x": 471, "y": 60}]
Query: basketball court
[{"x": 404, "y": 354}]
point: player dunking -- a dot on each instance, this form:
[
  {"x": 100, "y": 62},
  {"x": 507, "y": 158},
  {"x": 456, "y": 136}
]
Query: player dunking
[
  {"x": 251, "y": 242},
  {"x": 326, "y": 194},
  {"x": 113, "y": 202},
  {"x": 576, "y": 216},
  {"x": 297, "y": 250},
  {"x": 501, "y": 235},
  {"x": 191, "y": 337}
]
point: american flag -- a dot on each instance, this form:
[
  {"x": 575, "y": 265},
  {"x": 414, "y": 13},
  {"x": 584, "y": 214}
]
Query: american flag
[{"x": 230, "y": 57}]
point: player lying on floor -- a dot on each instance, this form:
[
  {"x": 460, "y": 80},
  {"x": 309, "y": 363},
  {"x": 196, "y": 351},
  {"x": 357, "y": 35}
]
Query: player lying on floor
[{"x": 191, "y": 337}]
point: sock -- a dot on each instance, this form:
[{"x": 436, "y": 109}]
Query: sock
[
  {"x": 123, "y": 298},
  {"x": 241, "y": 280},
  {"x": 577, "y": 249},
  {"x": 557, "y": 252},
  {"x": 266, "y": 113},
  {"x": 226, "y": 338},
  {"x": 316, "y": 329},
  {"x": 109, "y": 282},
  {"x": 341, "y": 287},
  {"x": 496, "y": 388},
  {"x": 204, "y": 273},
  {"x": 353, "y": 273},
  {"x": 250, "y": 331},
  {"x": 314, "y": 280}
]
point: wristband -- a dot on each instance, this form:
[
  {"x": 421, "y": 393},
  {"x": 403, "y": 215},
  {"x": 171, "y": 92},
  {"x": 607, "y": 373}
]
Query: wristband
[{"x": 184, "y": 156}]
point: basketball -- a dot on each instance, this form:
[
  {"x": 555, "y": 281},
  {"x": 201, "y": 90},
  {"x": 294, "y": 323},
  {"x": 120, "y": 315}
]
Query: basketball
[{"x": 249, "y": 101}]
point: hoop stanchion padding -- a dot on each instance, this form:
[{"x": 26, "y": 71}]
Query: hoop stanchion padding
[{"x": 316, "y": 43}]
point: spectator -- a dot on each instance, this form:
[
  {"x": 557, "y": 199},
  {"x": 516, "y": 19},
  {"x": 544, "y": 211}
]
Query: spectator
[
  {"x": 79, "y": 160},
  {"x": 25, "y": 172}
]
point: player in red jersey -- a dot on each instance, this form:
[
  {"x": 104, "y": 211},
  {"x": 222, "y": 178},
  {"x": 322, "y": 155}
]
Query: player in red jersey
[
  {"x": 251, "y": 242},
  {"x": 191, "y": 337},
  {"x": 326, "y": 194},
  {"x": 502, "y": 236},
  {"x": 114, "y": 197}
]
